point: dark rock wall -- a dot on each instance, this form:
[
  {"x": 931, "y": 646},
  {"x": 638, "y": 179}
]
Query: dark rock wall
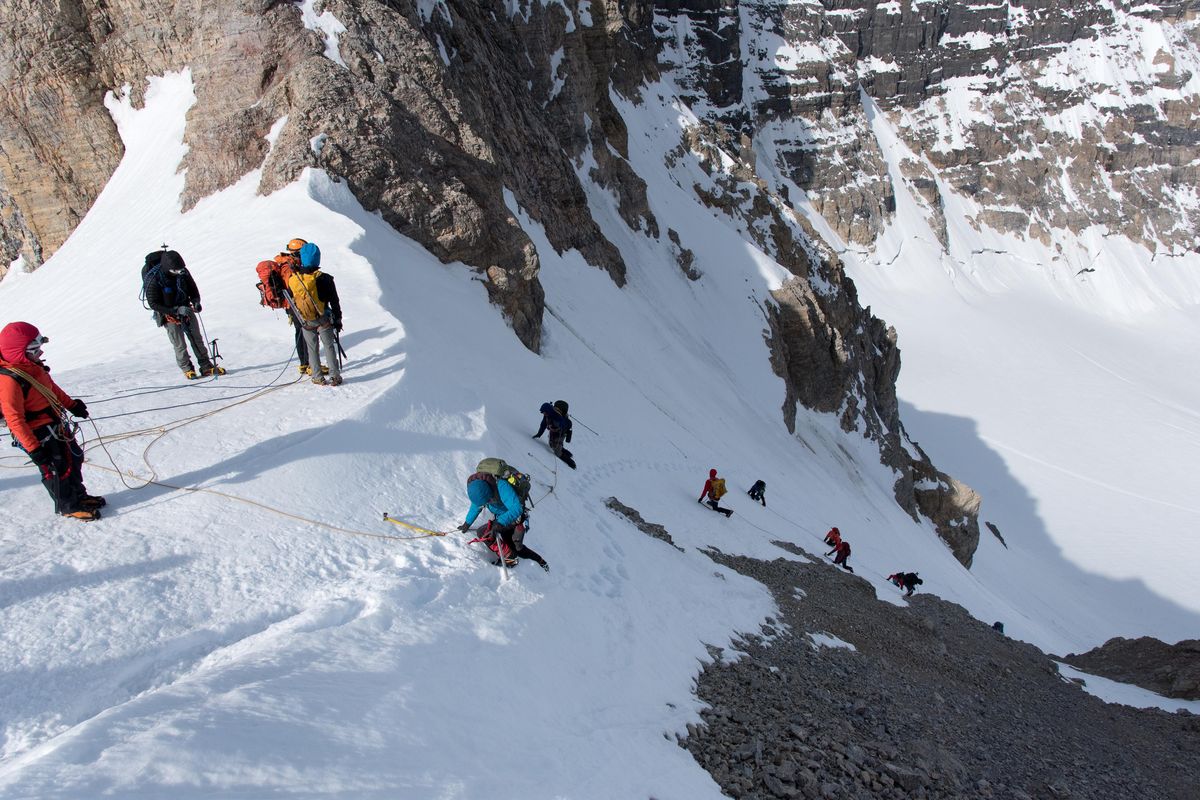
[
  {"x": 929, "y": 704},
  {"x": 1172, "y": 670}
]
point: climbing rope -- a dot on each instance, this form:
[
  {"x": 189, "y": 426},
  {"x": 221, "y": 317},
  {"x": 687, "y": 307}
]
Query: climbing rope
[{"x": 160, "y": 431}]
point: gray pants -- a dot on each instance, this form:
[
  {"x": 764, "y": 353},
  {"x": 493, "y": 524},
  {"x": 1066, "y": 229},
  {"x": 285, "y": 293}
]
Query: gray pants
[
  {"x": 176, "y": 333},
  {"x": 325, "y": 335}
]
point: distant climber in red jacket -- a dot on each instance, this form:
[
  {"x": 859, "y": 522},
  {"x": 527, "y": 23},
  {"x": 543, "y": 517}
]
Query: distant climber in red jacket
[
  {"x": 714, "y": 490},
  {"x": 834, "y": 537},
  {"x": 909, "y": 581},
  {"x": 843, "y": 553}
]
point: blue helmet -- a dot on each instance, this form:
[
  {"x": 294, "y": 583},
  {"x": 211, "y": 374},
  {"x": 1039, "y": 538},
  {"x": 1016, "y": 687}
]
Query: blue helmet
[
  {"x": 480, "y": 492},
  {"x": 310, "y": 256}
]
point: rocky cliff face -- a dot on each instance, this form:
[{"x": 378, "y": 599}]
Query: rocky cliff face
[
  {"x": 842, "y": 695},
  {"x": 1172, "y": 670},
  {"x": 1048, "y": 116}
]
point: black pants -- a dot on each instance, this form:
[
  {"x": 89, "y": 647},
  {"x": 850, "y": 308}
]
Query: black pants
[
  {"x": 716, "y": 507},
  {"x": 556, "y": 445},
  {"x": 515, "y": 540},
  {"x": 63, "y": 476}
]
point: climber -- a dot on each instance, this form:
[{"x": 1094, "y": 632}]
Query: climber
[
  {"x": 906, "y": 580},
  {"x": 714, "y": 490},
  {"x": 834, "y": 537},
  {"x": 174, "y": 298},
  {"x": 314, "y": 298},
  {"x": 843, "y": 552},
  {"x": 499, "y": 488},
  {"x": 555, "y": 420},
  {"x": 757, "y": 491},
  {"x": 286, "y": 263},
  {"x": 35, "y": 409}
]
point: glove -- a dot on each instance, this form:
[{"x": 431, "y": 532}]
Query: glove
[
  {"x": 196, "y": 305},
  {"x": 568, "y": 436},
  {"x": 182, "y": 311},
  {"x": 40, "y": 456},
  {"x": 536, "y": 436},
  {"x": 79, "y": 409},
  {"x": 337, "y": 325},
  {"x": 466, "y": 526},
  {"x": 544, "y": 566}
]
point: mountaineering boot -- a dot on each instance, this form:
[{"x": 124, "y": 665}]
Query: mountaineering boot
[
  {"x": 336, "y": 381},
  {"x": 727, "y": 513},
  {"x": 324, "y": 370},
  {"x": 83, "y": 515},
  {"x": 92, "y": 502},
  {"x": 510, "y": 562},
  {"x": 320, "y": 380},
  {"x": 191, "y": 374},
  {"x": 304, "y": 369},
  {"x": 213, "y": 371}
]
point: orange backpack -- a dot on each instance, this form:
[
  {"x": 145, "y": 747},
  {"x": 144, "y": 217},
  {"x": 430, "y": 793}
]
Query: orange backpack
[{"x": 273, "y": 280}]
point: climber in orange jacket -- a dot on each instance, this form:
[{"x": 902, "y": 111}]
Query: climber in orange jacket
[{"x": 35, "y": 408}]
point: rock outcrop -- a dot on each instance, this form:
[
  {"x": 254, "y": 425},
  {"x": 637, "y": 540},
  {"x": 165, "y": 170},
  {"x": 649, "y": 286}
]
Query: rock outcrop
[
  {"x": 1049, "y": 115},
  {"x": 842, "y": 695},
  {"x": 1172, "y": 670}
]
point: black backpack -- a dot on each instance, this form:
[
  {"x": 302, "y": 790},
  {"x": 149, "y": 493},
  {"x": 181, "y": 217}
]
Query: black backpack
[{"x": 150, "y": 272}]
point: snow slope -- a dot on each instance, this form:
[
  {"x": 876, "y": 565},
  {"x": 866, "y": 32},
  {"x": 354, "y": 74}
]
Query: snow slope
[{"x": 205, "y": 643}]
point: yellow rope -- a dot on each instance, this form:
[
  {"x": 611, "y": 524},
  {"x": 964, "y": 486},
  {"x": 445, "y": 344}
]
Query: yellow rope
[
  {"x": 388, "y": 518},
  {"x": 264, "y": 506}
]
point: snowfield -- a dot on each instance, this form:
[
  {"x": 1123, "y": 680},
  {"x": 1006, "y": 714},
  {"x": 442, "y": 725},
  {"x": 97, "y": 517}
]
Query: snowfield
[{"x": 262, "y": 631}]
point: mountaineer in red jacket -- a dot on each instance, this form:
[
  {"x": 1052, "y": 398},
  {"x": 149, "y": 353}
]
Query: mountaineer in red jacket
[
  {"x": 35, "y": 409},
  {"x": 843, "y": 553},
  {"x": 714, "y": 490}
]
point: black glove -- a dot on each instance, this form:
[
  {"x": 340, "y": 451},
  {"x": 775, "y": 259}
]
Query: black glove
[
  {"x": 41, "y": 456},
  {"x": 466, "y": 526},
  {"x": 79, "y": 409},
  {"x": 568, "y": 436},
  {"x": 196, "y": 305},
  {"x": 544, "y": 566},
  {"x": 536, "y": 436}
]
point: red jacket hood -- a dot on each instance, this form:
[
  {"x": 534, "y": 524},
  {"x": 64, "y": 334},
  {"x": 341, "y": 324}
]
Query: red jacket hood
[{"x": 15, "y": 337}]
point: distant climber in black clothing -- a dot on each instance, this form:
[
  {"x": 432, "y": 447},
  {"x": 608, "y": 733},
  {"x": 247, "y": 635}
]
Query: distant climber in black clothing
[
  {"x": 172, "y": 295},
  {"x": 757, "y": 490},
  {"x": 907, "y": 581},
  {"x": 555, "y": 420}
]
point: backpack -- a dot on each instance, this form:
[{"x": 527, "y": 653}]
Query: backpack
[
  {"x": 561, "y": 407},
  {"x": 306, "y": 301},
  {"x": 150, "y": 272},
  {"x": 497, "y": 469},
  {"x": 717, "y": 490},
  {"x": 272, "y": 282},
  {"x": 25, "y": 388}
]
